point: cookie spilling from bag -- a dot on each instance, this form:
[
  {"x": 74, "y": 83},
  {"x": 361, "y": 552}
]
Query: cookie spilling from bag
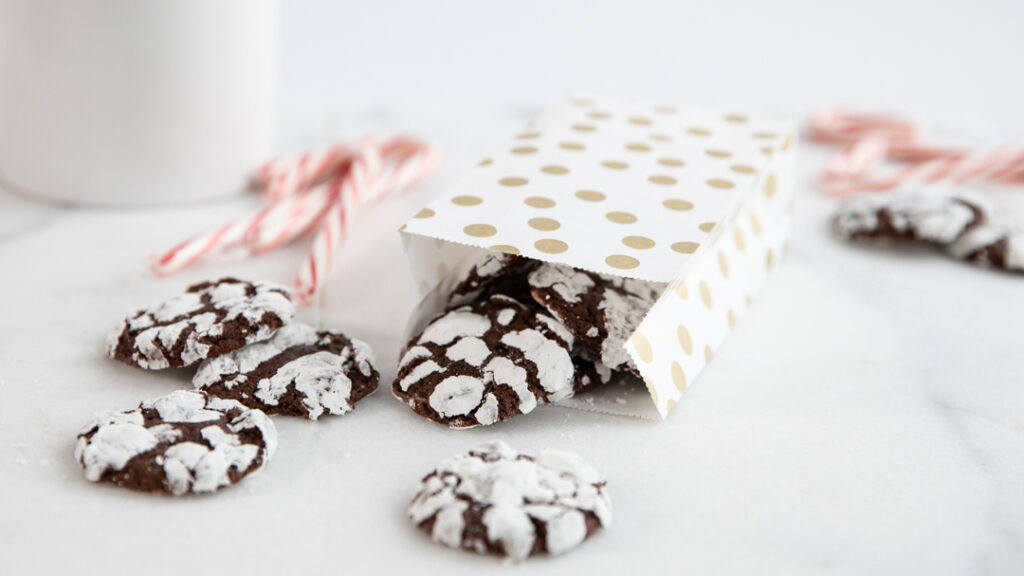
[
  {"x": 496, "y": 500},
  {"x": 184, "y": 442},
  {"x": 645, "y": 229},
  {"x": 492, "y": 356}
]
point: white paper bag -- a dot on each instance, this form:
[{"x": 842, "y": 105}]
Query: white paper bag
[{"x": 696, "y": 199}]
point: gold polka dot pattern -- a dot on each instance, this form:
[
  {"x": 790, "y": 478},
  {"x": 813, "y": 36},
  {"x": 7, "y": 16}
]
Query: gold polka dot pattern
[
  {"x": 539, "y": 202},
  {"x": 662, "y": 180},
  {"x": 554, "y": 169},
  {"x": 480, "y": 230},
  {"x": 639, "y": 191},
  {"x": 551, "y": 246},
  {"x": 615, "y": 164},
  {"x": 685, "y": 247},
  {"x": 507, "y": 249},
  {"x": 545, "y": 224},
  {"x": 590, "y": 195},
  {"x": 466, "y": 200},
  {"x": 622, "y": 262},
  {"x": 685, "y": 341},
  {"x": 677, "y": 204},
  {"x": 678, "y": 377},
  {"x": 643, "y": 347},
  {"x": 621, "y": 217},
  {"x": 705, "y": 294},
  {"x": 638, "y": 242}
]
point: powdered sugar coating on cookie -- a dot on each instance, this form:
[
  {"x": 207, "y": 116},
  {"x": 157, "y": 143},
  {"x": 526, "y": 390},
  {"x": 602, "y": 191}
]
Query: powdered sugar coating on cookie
[
  {"x": 492, "y": 500},
  {"x": 184, "y": 442},
  {"x": 930, "y": 216},
  {"x": 484, "y": 363},
  {"x": 991, "y": 245},
  {"x": 601, "y": 311},
  {"x": 297, "y": 372},
  {"x": 208, "y": 320},
  {"x": 493, "y": 273}
]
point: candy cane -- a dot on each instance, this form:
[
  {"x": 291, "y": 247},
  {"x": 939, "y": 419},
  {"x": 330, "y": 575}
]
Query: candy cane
[
  {"x": 291, "y": 217},
  {"x": 323, "y": 188},
  {"x": 284, "y": 177},
  {"x": 393, "y": 167},
  {"x": 187, "y": 252},
  {"x": 357, "y": 185},
  {"x": 872, "y": 139}
]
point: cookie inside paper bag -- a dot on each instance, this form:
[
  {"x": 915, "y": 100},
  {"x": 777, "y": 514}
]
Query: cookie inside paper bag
[{"x": 518, "y": 333}]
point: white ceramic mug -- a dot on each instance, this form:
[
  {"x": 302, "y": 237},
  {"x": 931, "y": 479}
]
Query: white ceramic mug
[{"x": 135, "y": 102}]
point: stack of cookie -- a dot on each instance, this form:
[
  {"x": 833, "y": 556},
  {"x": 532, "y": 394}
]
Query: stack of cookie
[
  {"x": 958, "y": 222},
  {"x": 518, "y": 333},
  {"x": 252, "y": 361}
]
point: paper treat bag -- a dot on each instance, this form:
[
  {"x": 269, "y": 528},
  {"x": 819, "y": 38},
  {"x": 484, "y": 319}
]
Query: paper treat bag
[{"x": 699, "y": 200}]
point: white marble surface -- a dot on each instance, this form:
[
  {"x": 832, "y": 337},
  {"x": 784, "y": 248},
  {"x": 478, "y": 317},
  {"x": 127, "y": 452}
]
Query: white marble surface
[{"x": 864, "y": 418}]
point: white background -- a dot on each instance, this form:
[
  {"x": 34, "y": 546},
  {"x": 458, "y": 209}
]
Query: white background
[
  {"x": 960, "y": 56},
  {"x": 864, "y": 418}
]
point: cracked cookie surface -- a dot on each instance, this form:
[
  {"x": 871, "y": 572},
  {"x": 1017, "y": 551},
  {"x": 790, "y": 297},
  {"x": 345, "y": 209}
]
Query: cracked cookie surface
[
  {"x": 297, "y": 372},
  {"x": 208, "y": 320},
  {"x": 493, "y": 274},
  {"x": 184, "y": 442},
  {"x": 496, "y": 500},
  {"x": 486, "y": 362},
  {"x": 931, "y": 217},
  {"x": 991, "y": 245},
  {"x": 600, "y": 311}
]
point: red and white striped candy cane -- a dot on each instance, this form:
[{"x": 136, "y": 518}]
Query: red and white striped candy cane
[
  {"x": 292, "y": 216},
  {"x": 283, "y": 177},
  {"x": 356, "y": 186},
  {"x": 872, "y": 139},
  {"x": 324, "y": 187},
  {"x": 186, "y": 253},
  {"x": 382, "y": 169}
]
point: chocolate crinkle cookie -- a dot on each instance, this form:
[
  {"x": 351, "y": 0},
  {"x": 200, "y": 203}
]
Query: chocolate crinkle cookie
[
  {"x": 486, "y": 362},
  {"x": 297, "y": 372},
  {"x": 956, "y": 221},
  {"x": 496, "y": 500},
  {"x": 494, "y": 273},
  {"x": 928, "y": 216},
  {"x": 184, "y": 442},
  {"x": 208, "y": 320},
  {"x": 991, "y": 245},
  {"x": 518, "y": 333},
  {"x": 601, "y": 311}
]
